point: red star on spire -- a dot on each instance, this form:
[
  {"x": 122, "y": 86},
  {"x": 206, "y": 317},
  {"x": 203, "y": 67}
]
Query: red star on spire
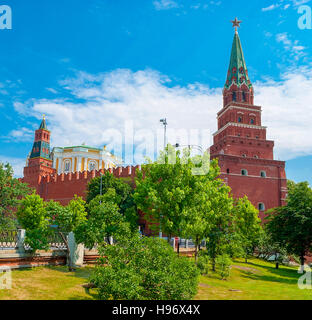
[{"x": 236, "y": 24}]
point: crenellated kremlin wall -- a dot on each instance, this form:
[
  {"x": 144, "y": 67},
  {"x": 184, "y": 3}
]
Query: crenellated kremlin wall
[{"x": 63, "y": 187}]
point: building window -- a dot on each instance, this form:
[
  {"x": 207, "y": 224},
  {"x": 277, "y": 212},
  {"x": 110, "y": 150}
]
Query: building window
[
  {"x": 252, "y": 121},
  {"x": 67, "y": 166},
  {"x": 240, "y": 119},
  {"x": 92, "y": 166},
  {"x": 244, "y": 172},
  {"x": 227, "y": 171},
  {"x": 234, "y": 96},
  {"x": 263, "y": 174},
  {"x": 244, "y": 96},
  {"x": 261, "y": 206}
]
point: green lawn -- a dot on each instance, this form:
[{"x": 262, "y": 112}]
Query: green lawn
[
  {"x": 255, "y": 280},
  {"x": 49, "y": 283}
]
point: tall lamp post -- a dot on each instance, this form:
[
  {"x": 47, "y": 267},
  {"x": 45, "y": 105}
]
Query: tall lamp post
[
  {"x": 101, "y": 187},
  {"x": 165, "y": 123}
]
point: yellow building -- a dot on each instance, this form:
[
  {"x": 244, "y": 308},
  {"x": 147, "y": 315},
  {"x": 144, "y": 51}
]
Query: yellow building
[{"x": 82, "y": 158}]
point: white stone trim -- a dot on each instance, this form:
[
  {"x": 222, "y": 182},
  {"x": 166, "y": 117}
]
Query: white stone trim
[
  {"x": 240, "y": 125},
  {"x": 237, "y": 107}
]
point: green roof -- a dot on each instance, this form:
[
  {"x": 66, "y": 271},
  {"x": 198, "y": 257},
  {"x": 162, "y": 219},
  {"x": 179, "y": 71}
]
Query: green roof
[
  {"x": 86, "y": 147},
  {"x": 43, "y": 125},
  {"x": 237, "y": 72}
]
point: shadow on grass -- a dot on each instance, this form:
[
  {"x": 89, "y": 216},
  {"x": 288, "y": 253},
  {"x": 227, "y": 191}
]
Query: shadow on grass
[
  {"x": 91, "y": 293},
  {"x": 83, "y": 272},
  {"x": 281, "y": 275}
]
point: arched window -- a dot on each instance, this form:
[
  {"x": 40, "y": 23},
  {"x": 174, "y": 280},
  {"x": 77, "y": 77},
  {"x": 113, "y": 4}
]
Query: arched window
[
  {"x": 240, "y": 119},
  {"x": 227, "y": 171},
  {"x": 234, "y": 96},
  {"x": 244, "y": 172},
  {"x": 252, "y": 121},
  {"x": 261, "y": 206},
  {"x": 244, "y": 96},
  {"x": 263, "y": 174}
]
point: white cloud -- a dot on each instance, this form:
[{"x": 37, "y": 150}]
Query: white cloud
[
  {"x": 16, "y": 163},
  {"x": 107, "y": 100},
  {"x": 296, "y": 50},
  {"x": 165, "y": 4},
  {"x": 51, "y": 90},
  {"x": 283, "y": 5},
  {"x": 270, "y": 8}
]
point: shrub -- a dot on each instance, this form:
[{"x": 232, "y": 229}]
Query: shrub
[
  {"x": 203, "y": 264},
  {"x": 223, "y": 264},
  {"x": 144, "y": 269}
]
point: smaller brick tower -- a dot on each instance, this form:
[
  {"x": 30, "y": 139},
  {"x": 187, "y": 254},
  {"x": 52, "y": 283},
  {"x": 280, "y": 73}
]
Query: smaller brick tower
[{"x": 39, "y": 163}]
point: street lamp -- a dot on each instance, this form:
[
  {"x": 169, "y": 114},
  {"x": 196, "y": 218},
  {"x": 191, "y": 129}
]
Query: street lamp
[
  {"x": 101, "y": 187},
  {"x": 190, "y": 146},
  {"x": 165, "y": 123}
]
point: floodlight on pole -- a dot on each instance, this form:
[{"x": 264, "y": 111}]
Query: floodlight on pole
[{"x": 165, "y": 123}]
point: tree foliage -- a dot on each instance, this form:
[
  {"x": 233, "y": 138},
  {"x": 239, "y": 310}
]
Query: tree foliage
[
  {"x": 41, "y": 219},
  {"x": 223, "y": 263},
  {"x": 248, "y": 225},
  {"x": 104, "y": 221},
  {"x": 173, "y": 198},
  {"x": 144, "y": 269},
  {"x": 33, "y": 217},
  {"x": 11, "y": 192},
  {"x": 123, "y": 198},
  {"x": 291, "y": 225}
]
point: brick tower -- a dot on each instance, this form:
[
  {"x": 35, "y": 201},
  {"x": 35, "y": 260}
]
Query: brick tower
[
  {"x": 39, "y": 163},
  {"x": 245, "y": 155}
]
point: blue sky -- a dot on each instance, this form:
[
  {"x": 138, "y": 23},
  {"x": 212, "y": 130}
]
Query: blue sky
[{"x": 91, "y": 66}]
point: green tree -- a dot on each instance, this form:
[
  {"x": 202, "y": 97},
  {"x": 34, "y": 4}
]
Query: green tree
[
  {"x": 11, "y": 192},
  {"x": 221, "y": 237},
  {"x": 171, "y": 195},
  {"x": 41, "y": 220},
  {"x": 291, "y": 225},
  {"x": 124, "y": 195},
  {"x": 67, "y": 219},
  {"x": 104, "y": 221},
  {"x": 144, "y": 269},
  {"x": 33, "y": 217},
  {"x": 208, "y": 206},
  {"x": 248, "y": 225},
  {"x": 223, "y": 263},
  {"x": 267, "y": 248}
]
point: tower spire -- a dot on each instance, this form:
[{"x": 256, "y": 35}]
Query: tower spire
[
  {"x": 238, "y": 86},
  {"x": 43, "y": 124}
]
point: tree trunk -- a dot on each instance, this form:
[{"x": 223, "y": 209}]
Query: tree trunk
[
  {"x": 196, "y": 249},
  {"x": 169, "y": 238},
  {"x": 302, "y": 260},
  {"x": 68, "y": 258},
  {"x": 179, "y": 247},
  {"x": 214, "y": 264},
  {"x": 276, "y": 265}
]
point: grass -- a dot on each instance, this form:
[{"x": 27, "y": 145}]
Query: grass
[
  {"x": 49, "y": 283},
  {"x": 256, "y": 280}
]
